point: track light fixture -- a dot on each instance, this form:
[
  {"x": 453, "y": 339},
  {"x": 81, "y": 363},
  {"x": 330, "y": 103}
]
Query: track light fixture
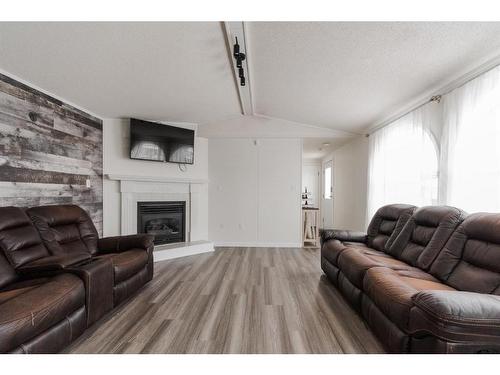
[{"x": 240, "y": 57}]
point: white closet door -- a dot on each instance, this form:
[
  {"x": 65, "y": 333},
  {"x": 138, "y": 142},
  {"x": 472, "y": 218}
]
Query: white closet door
[
  {"x": 233, "y": 186},
  {"x": 280, "y": 178}
]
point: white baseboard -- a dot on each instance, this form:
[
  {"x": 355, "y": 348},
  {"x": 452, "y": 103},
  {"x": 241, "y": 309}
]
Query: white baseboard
[
  {"x": 178, "y": 250},
  {"x": 257, "y": 244}
]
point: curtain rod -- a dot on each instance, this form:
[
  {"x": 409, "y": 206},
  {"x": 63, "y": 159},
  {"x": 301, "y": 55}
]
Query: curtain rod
[
  {"x": 455, "y": 84},
  {"x": 435, "y": 98}
]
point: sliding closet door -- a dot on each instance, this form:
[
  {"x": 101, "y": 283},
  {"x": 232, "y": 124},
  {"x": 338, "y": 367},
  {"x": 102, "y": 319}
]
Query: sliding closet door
[
  {"x": 280, "y": 164},
  {"x": 254, "y": 192},
  {"x": 233, "y": 185}
]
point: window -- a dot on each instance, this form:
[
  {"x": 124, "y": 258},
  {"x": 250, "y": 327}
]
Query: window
[
  {"x": 403, "y": 159},
  {"x": 471, "y": 145},
  {"x": 327, "y": 174},
  {"x": 403, "y": 162}
]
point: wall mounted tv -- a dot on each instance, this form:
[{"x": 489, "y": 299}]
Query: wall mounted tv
[{"x": 159, "y": 142}]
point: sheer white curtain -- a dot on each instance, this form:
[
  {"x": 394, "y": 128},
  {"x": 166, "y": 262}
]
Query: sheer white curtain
[
  {"x": 403, "y": 162},
  {"x": 470, "y": 157}
]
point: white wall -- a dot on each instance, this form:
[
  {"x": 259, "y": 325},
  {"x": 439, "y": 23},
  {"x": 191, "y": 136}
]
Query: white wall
[
  {"x": 116, "y": 134},
  {"x": 254, "y": 192},
  {"x": 350, "y": 170}
]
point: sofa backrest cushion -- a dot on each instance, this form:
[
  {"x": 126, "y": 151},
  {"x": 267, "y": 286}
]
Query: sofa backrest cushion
[
  {"x": 386, "y": 225},
  {"x": 425, "y": 234},
  {"x": 470, "y": 261},
  {"x": 65, "y": 229},
  {"x": 19, "y": 239}
]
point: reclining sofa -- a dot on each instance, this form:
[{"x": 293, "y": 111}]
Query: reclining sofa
[
  {"x": 57, "y": 277},
  {"x": 426, "y": 280}
]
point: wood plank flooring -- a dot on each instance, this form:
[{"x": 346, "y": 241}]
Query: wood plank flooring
[{"x": 235, "y": 300}]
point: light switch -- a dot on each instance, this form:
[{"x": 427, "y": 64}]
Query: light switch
[{"x": 87, "y": 183}]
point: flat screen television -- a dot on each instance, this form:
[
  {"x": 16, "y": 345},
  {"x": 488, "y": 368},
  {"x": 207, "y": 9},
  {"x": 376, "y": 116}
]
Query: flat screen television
[{"x": 159, "y": 142}]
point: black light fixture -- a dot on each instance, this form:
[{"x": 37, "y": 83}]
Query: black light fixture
[{"x": 240, "y": 57}]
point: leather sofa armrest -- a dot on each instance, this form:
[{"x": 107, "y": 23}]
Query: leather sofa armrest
[
  {"x": 119, "y": 244},
  {"x": 53, "y": 263},
  {"x": 463, "y": 322},
  {"x": 342, "y": 235},
  {"x": 460, "y": 322},
  {"x": 460, "y": 307}
]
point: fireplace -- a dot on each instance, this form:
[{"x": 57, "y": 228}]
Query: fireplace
[{"x": 165, "y": 220}]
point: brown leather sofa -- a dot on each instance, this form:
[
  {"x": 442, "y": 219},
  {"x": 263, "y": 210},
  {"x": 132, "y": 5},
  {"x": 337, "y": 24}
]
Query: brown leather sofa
[
  {"x": 57, "y": 277},
  {"x": 425, "y": 283}
]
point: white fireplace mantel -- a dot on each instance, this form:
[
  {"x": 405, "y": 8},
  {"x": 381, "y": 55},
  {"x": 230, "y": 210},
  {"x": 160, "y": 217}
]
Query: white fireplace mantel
[
  {"x": 194, "y": 192},
  {"x": 178, "y": 180}
]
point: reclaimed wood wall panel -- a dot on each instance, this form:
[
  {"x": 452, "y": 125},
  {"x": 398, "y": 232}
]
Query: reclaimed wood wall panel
[{"x": 48, "y": 151}]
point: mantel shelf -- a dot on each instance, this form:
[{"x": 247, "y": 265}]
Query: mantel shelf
[{"x": 178, "y": 180}]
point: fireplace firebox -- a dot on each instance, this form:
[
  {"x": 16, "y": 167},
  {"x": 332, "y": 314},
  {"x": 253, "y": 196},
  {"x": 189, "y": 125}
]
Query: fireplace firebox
[{"x": 165, "y": 220}]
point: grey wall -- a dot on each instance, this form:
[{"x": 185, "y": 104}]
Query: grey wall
[{"x": 48, "y": 151}]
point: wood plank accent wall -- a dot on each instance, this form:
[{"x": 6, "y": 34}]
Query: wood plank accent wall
[{"x": 48, "y": 151}]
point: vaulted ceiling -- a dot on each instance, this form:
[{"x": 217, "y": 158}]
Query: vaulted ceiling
[
  {"x": 332, "y": 75},
  {"x": 348, "y": 76},
  {"x": 158, "y": 71}
]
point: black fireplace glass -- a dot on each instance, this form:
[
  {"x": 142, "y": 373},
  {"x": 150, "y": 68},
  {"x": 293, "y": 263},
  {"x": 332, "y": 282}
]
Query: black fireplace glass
[{"x": 165, "y": 220}]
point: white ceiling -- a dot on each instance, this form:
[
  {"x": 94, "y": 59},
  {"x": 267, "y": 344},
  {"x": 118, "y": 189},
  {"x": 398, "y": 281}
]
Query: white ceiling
[
  {"x": 350, "y": 75},
  {"x": 267, "y": 127},
  {"x": 158, "y": 71},
  {"x": 344, "y": 76},
  {"x": 319, "y": 148}
]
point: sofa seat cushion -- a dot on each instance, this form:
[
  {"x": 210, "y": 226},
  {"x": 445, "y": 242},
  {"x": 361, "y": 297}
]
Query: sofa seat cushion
[
  {"x": 20, "y": 287},
  {"x": 126, "y": 264},
  {"x": 392, "y": 291},
  {"x": 331, "y": 250},
  {"x": 354, "y": 262},
  {"x": 10, "y": 294},
  {"x": 356, "y": 244},
  {"x": 34, "y": 307}
]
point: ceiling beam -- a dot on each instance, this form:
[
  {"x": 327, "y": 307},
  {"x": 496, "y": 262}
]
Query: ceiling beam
[{"x": 237, "y": 30}]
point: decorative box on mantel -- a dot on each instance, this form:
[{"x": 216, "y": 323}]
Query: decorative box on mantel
[{"x": 194, "y": 192}]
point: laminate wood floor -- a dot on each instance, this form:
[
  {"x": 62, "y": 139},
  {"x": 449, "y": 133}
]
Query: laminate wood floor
[{"x": 235, "y": 300}]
